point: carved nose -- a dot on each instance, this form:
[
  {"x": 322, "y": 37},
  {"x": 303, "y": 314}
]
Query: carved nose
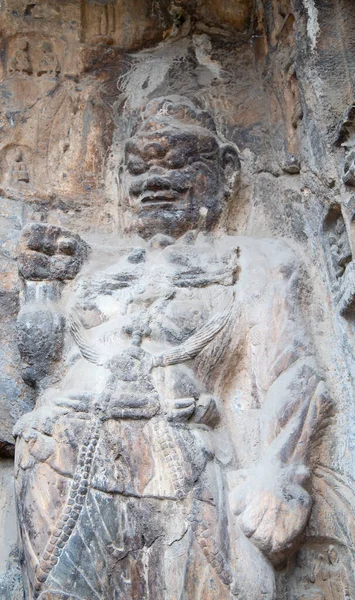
[{"x": 156, "y": 183}]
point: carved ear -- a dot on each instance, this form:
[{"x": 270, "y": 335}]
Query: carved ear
[{"x": 231, "y": 167}]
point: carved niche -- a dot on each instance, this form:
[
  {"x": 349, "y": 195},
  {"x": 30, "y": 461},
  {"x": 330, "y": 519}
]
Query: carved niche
[
  {"x": 340, "y": 262},
  {"x": 345, "y": 138},
  {"x": 16, "y": 164},
  {"x": 32, "y": 55},
  {"x": 338, "y": 241},
  {"x": 133, "y": 479},
  {"x": 320, "y": 574},
  {"x": 20, "y": 61}
]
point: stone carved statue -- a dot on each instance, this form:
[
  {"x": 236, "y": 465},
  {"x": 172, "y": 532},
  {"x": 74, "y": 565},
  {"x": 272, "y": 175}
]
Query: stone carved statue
[
  {"x": 168, "y": 452},
  {"x": 49, "y": 63},
  {"x": 20, "y": 62},
  {"x": 19, "y": 172},
  {"x": 349, "y": 170},
  {"x": 331, "y": 576}
]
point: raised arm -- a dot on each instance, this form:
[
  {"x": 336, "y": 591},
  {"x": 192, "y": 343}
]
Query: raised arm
[
  {"x": 49, "y": 257},
  {"x": 271, "y": 501}
]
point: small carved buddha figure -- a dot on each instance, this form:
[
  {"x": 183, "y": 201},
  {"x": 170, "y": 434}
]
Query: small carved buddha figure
[
  {"x": 338, "y": 240},
  {"x": 19, "y": 171},
  {"x": 168, "y": 452},
  {"x": 49, "y": 63},
  {"x": 20, "y": 62},
  {"x": 349, "y": 169},
  {"x": 331, "y": 576}
]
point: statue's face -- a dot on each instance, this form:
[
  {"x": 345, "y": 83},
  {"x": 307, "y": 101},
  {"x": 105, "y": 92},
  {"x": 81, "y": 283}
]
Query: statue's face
[
  {"x": 332, "y": 555},
  {"x": 172, "y": 179}
]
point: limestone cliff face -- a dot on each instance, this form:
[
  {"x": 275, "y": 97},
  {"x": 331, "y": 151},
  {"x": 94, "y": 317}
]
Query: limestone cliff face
[{"x": 277, "y": 79}]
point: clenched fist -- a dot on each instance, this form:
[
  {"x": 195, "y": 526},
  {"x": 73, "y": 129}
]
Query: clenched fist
[
  {"x": 273, "y": 508},
  {"x": 50, "y": 252}
]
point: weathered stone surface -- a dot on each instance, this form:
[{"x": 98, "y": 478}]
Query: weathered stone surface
[
  {"x": 155, "y": 328},
  {"x": 10, "y": 575},
  {"x": 198, "y": 463},
  {"x": 15, "y": 398}
]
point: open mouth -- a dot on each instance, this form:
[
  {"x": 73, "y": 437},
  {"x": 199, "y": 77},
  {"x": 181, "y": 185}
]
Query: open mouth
[{"x": 162, "y": 198}]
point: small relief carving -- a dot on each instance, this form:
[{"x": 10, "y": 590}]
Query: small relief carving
[
  {"x": 319, "y": 575},
  {"x": 49, "y": 63},
  {"x": 20, "y": 62},
  {"x": 106, "y": 25},
  {"x": 345, "y": 133},
  {"x": 345, "y": 138},
  {"x": 294, "y": 117},
  {"x": 349, "y": 170},
  {"x": 331, "y": 576},
  {"x": 16, "y": 167},
  {"x": 340, "y": 260},
  {"x": 33, "y": 57},
  {"x": 288, "y": 86},
  {"x": 100, "y": 21},
  {"x": 19, "y": 171},
  {"x": 338, "y": 241}
]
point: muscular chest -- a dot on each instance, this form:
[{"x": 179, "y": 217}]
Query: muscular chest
[{"x": 163, "y": 299}]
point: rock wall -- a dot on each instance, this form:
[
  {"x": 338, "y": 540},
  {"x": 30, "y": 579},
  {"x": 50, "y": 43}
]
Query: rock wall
[{"x": 277, "y": 77}]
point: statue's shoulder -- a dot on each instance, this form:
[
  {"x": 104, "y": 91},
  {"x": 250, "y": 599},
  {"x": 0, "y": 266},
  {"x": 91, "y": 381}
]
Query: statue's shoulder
[{"x": 267, "y": 253}]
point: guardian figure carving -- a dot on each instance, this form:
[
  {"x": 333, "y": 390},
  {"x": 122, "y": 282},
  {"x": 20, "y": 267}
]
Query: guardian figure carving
[{"x": 168, "y": 455}]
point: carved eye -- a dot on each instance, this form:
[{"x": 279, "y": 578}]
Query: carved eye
[
  {"x": 209, "y": 155},
  {"x": 176, "y": 160},
  {"x": 67, "y": 246},
  {"x": 154, "y": 150},
  {"x": 203, "y": 158},
  {"x": 137, "y": 166},
  {"x": 208, "y": 149}
]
